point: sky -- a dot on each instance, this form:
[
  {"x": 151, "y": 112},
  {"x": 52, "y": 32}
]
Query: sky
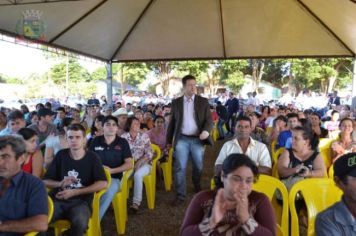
[{"x": 20, "y": 61}]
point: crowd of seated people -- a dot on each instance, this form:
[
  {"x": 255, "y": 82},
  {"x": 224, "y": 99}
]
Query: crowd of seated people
[{"x": 55, "y": 141}]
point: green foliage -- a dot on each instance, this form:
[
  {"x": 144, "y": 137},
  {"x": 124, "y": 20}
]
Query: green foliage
[
  {"x": 133, "y": 73},
  {"x": 10, "y": 80},
  {"x": 275, "y": 70},
  {"x": 77, "y": 73},
  {"x": 231, "y": 73},
  {"x": 317, "y": 74}
]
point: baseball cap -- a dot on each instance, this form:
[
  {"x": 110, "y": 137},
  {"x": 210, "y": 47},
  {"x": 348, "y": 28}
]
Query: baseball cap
[
  {"x": 45, "y": 112},
  {"x": 119, "y": 112},
  {"x": 345, "y": 165}
]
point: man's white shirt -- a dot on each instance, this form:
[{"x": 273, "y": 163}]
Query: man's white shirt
[{"x": 256, "y": 151}]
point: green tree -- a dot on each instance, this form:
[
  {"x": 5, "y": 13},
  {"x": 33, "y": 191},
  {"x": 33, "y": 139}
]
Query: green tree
[
  {"x": 163, "y": 70},
  {"x": 77, "y": 73},
  {"x": 324, "y": 74},
  {"x": 231, "y": 73}
]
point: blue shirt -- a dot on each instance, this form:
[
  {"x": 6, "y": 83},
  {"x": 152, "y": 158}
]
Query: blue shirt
[
  {"x": 26, "y": 197},
  {"x": 283, "y": 139},
  {"x": 336, "y": 220},
  {"x": 5, "y": 131}
]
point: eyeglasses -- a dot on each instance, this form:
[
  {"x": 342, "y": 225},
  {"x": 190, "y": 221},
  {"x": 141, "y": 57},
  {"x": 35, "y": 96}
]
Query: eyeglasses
[{"x": 238, "y": 180}]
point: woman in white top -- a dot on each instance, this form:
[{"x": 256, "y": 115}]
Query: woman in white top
[{"x": 56, "y": 143}]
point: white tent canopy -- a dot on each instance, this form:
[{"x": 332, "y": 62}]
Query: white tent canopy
[{"x": 139, "y": 30}]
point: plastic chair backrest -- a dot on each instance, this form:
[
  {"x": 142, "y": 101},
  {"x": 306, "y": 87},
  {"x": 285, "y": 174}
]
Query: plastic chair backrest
[
  {"x": 325, "y": 150},
  {"x": 268, "y": 185},
  {"x": 157, "y": 150},
  {"x": 276, "y": 154},
  {"x": 331, "y": 172},
  {"x": 318, "y": 194},
  {"x": 125, "y": 177},
  {"x": 273, "y": 146},
  {"x": 50, "y": 214},
  {"x": 279, "y": 231},
  {"x": 95, "y": 219}
]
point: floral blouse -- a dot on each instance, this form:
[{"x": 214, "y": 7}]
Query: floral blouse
[{"x": 140, "y": 146}]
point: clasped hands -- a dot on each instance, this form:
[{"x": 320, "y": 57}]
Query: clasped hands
[
  {"x": 65, "y": 194},
  {"x": 222, "y": 205}
]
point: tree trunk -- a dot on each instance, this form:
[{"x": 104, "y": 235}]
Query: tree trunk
[
  {"x": 331, "y": 83},
  {"x": 164, "y": 71},
  {"x": 122, "y": 80},
  {"x": 257, "y": 73}
]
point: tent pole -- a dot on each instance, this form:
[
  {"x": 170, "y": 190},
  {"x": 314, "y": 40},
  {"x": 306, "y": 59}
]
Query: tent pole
[
  {"x": 353, "y": 103},
  {"x": 109, "y": 83}
]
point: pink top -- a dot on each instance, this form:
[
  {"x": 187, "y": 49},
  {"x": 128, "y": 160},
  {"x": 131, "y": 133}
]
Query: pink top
[{"x": 158, "y": 139}]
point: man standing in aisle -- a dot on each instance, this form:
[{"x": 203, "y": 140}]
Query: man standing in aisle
[
  {"x": 188, "y": 131},
  {"x": 233, "y": 107}
]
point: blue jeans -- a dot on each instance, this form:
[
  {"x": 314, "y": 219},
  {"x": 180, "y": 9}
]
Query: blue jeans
[
  {"x": 107, "y": 197},
  {"x": 187, "y": 147},
  {"x": 76, "y": 211},
  {"x": 220, "y": 127}
]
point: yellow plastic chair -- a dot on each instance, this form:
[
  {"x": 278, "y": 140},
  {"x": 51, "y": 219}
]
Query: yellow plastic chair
[
  {"x": 50, "y": 214},
  {"x": 269, "y": 130},
  {"x": 215, "y": 132},
  {"x": 318, "y": 194},
  {"x": 150, "y": 180},
  {"x": 325, "y": 151},
  {"x": 212, "y": 184},
  {"x": 331, "y": 172},
  {"x": 275, "y": 157},
  {"x": 94, "y": 228},
  {"x": 273, "y": 146},
  {"x": 119, "y": 203},
  {"x": 279, "y": 231},
  {"x": 167, "y": 171},
  {"x": 269, "y": 185},
  {"x": 276, "y": 154}
]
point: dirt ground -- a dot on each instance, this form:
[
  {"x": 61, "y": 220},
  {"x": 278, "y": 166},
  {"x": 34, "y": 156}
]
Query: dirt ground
[{"x": 164, "y": 219}]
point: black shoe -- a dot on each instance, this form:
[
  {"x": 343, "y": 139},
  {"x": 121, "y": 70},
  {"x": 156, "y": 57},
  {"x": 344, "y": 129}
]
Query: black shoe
[{"x": 177, "y": 202}]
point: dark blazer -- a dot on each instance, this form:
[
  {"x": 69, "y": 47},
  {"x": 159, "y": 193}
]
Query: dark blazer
[
  {"x": 202, "y": 118},
  {"x": 336, "y": 101}
]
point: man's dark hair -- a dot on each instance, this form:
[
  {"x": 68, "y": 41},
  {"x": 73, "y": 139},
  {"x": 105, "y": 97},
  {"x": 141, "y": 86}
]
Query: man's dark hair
[
  {"x": 186, "y": 78},
  {"x": 14, "y": 115},
  {"x": 39, "y": 106},
  {"x": 292, "y": 115},
  {"x": 27, "y": 133},
  {"x": 245, "y": 118},
  {"x": 61, "y": 109},
  {"x": 77, "y": 127},
  {"x": 280, "y": 117},
  {"x": 16, "y": 143},
  {"x": 108, "y": 118},
  {"x": 334, "y": 112},
  {"x": 48, "y": 105}
]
